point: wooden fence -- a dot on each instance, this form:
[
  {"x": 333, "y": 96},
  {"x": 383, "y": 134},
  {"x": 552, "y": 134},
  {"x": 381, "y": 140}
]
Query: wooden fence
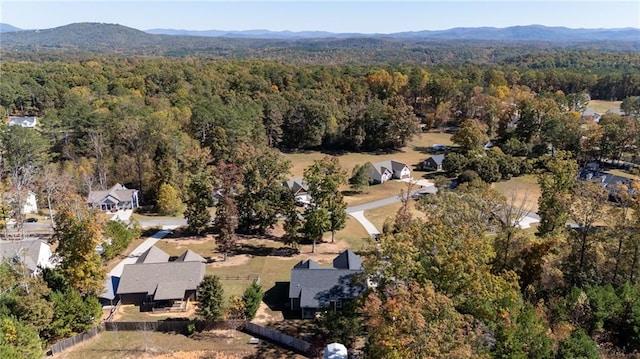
[
  {"x": 69, "y": 342},
  {"x": 178, "y": 326},
  {"x": 181, "y": 326},
  {"x": 278, "y": 337},
  {"x": 253, "y": 277}
]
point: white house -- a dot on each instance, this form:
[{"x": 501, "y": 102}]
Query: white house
[
  {"x": 30, "y": 204},
  {"x": 380, "y": 172},
  {"x": 34, "y": 254}
]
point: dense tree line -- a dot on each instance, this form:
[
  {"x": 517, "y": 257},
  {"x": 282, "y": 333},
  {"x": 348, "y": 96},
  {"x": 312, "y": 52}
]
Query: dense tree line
[
  {"x": 204, "y": 133},
  {"x": 466, "y": 281}
]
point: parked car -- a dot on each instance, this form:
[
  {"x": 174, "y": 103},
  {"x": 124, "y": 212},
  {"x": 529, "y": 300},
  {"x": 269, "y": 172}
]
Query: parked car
[{"x": 32, "y": 220}]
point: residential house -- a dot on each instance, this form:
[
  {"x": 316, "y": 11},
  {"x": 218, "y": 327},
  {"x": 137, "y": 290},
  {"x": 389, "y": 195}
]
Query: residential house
[
  {"x": 299, "y": 188},
  {"x": 29, "y": 204},
  {"x": 33, "y": 253},
  {"x": 113, "y": 199},
  {"x": 28, "y": 121},
  {"x": 607, "y": 180},
  {"x": 433, "y": 163},
  {"x": 314, "y": 288},
  {"x": 380, "y": 172},
  {"x": 155, "y": 282}
]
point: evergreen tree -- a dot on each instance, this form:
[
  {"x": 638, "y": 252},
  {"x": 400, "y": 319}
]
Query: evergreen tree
[
  {"x": 252, "y": 298},
  {"x": 17, "y": 341},
  {"x": 359, "y": 180},
  {"x": 578, "y": 346},
  {"x": 210, "y": 298}
]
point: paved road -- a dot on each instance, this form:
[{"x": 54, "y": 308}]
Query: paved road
[
  {"x": 133, "y": 257},
  {"x": 357, "y": 212},
  {"x": 163, "y": 222}
]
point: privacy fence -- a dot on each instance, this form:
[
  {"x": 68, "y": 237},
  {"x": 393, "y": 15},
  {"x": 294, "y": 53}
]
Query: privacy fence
[
  {"x": 69, "y": 342},
  {"x": 183, "y": 326},
  {"x": 278, "y": 337}
]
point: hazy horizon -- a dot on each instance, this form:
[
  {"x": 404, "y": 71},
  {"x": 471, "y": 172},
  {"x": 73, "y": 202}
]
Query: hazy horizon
[{"x": 367, "y": 17}]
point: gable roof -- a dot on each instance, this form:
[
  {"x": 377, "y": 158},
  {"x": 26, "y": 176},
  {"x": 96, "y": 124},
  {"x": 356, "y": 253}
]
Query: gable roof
[
  {"x": 347, "y": 260},
  {"x": 390, "y": 165},
  {"x": 169, "y": 277},
  {"x": 316, "y": 285},
  {"x": 117, "y": 193},
  {"x": 307, "y": 264},
  {"x": 153, "y": 255},
  {"x": 437, "y": 159},
  {"x": 27, "y": 252},
  {"x": 190, "y": 256},
  {"x": 296, "y": 185}
]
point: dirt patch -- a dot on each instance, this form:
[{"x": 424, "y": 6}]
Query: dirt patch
[
  {"x": 264, "y": 315},
  {"x": 151, "y": 316},
  {"x": 231, "y": 261}
]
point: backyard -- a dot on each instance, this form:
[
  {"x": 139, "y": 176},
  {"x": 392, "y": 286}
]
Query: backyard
[{"x": 221, "y": 344}]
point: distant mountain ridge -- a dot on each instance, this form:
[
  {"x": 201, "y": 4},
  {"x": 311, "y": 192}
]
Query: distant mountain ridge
[
  {"x": 513, "y": 33},
  {"x": 425, "y": 47},
  {"x": 8, "y": 28}
]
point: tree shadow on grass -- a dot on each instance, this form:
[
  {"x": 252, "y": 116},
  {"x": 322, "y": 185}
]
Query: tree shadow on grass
[{"x": 261, "y": 250}]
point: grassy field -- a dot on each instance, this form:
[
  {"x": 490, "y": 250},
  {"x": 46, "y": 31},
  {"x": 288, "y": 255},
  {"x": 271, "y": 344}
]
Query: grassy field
[
  {"x": 379, "y": 215},
  {"x": 217, "y": 344},
  {"x": 524, "y": 188},
  {"x": 376, "y": 192},
  {"x": 622, "y": 173},
  {"x": 603, "y": 106},
  {"x": 412, "y": 155}
]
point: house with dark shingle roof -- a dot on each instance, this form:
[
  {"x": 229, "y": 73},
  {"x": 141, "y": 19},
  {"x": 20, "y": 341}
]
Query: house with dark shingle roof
[
  {"x": 154, "y": 282},
  {"x": 380, "y": 172},
  {"x": 314, "y": 287},
  {"x": 113, "y": 199},
  {"x": 607, "y": 180},
  {"x": 433, "y": 163}
]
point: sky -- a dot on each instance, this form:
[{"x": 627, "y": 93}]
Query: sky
[{"x": 312, "y": 15}]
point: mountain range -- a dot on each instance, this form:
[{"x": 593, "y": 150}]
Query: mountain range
[{"x": 514, "y": 33}]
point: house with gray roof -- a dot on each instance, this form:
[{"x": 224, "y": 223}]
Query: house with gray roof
[
  {"x": 153, "y": 283},
  {"x": 314, "y": 288},
  {"x": 433, "y": 163},
  {"x": 33, "y": 254},
  {"x": 380, "y": 172},
  {"x": 299, "y": 188},
  {"x": 113, "y": 199}
]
